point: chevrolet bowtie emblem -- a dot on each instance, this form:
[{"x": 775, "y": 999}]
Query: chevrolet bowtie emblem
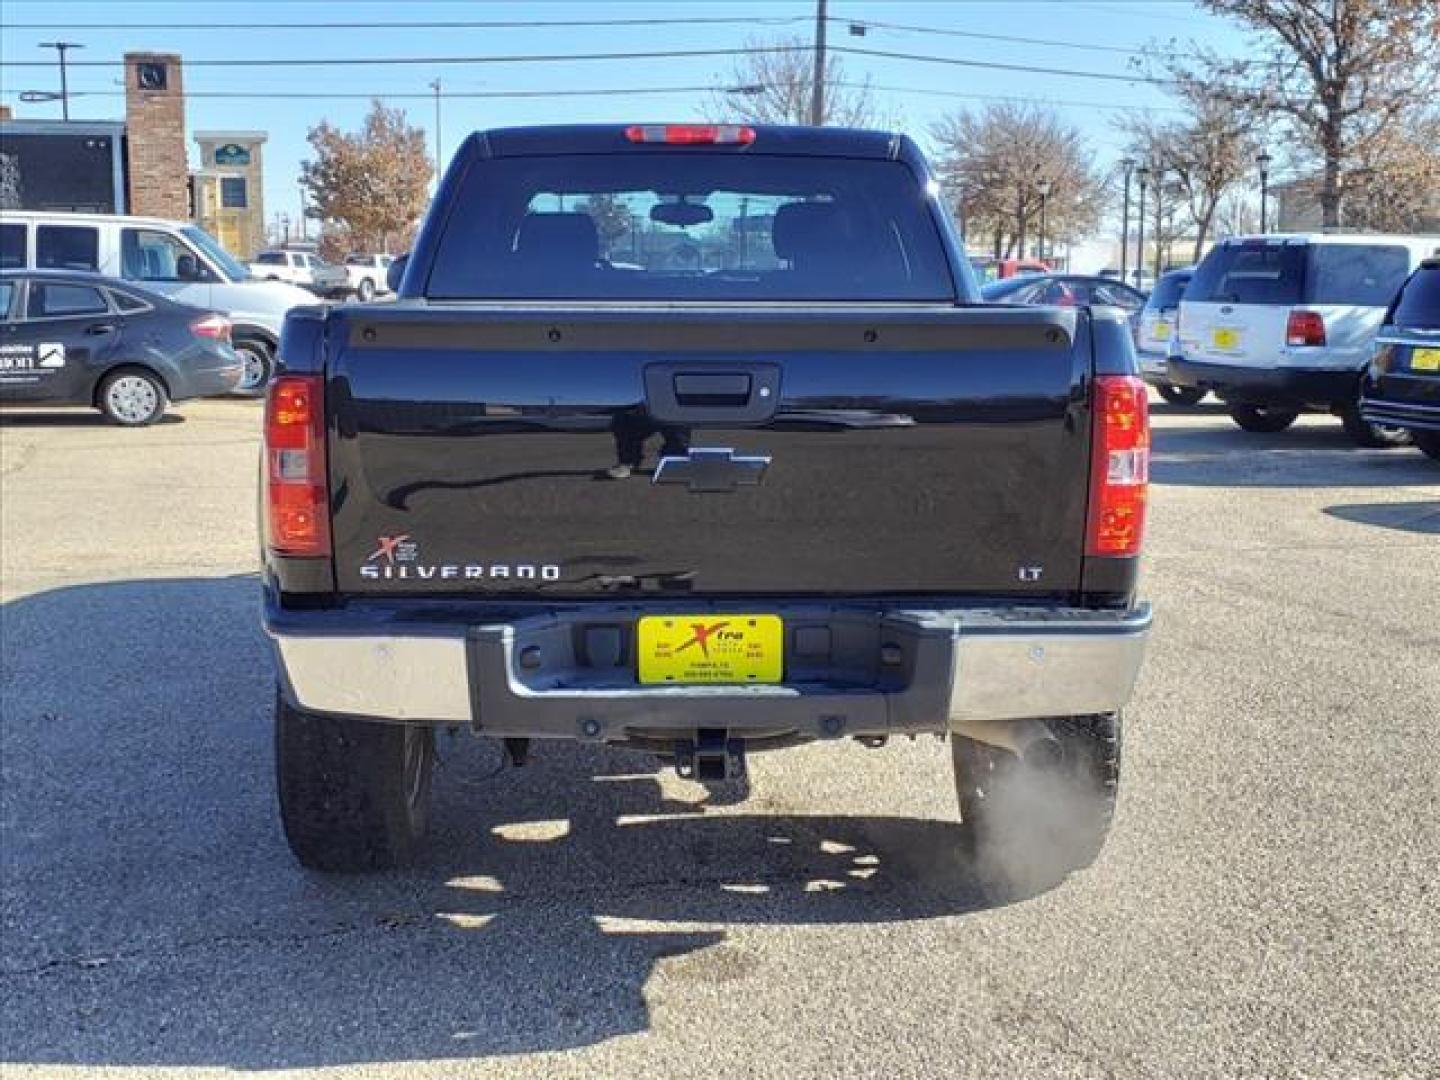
[{"x": 711, "y": 469}]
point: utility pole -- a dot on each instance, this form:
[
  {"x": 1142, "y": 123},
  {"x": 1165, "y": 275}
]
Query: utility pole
[
  {"x": 302, "y": 212},
  {"x": 438, "y": 161},
  {"x": 817, "y": 89},
  {"x": 61, "y": 47}
]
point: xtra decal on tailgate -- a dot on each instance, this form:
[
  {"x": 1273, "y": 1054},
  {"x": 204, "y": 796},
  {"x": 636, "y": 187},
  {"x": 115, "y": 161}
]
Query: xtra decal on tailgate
[{"x": 397, "y": 558}]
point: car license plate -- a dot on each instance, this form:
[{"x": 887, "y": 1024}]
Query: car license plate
[
  {"x": 1226, "y": 338},
  {"x": 1425, "y": 360},
  {"x": 710, "y": 648},
  {"x": 1162, "y": 331}
]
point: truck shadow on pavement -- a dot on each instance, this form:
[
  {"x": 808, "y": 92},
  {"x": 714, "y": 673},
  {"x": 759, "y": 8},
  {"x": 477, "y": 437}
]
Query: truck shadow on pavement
[
  {"x": 153, "y": 916},
  {"x": 1311, "y": 455}
]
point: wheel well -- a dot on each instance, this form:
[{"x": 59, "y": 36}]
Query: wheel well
[
  {"x": 105, "y": 375},
  {"x": 244, "y": 331}
]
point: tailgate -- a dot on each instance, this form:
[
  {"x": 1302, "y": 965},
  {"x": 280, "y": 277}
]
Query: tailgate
[
  {"x": 1244, "y": 335},
  {"x": 852, "y": 451}
]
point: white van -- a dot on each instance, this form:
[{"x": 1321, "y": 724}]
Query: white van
[
  {"x": 1281, "y": 323},
  {"x": 176, "y": 258}
]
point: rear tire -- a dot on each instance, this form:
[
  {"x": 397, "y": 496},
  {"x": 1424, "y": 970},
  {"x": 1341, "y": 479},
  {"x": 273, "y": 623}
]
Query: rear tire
[
  {"x": 1181, "y": 395},
  {"x": 1263, "y": 419},
  {"x": 354, "y": 794},
  {"x": 132, "y": 397},
  {"x": 1029, "y": 824},
  {"x": 1428, "y": 442},
  {"x": 1371, "y": 436}
]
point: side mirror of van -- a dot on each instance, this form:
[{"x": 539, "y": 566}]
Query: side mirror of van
[{"x": 395, "y": 272}]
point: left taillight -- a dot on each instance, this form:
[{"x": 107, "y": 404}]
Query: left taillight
[
  {"x": 214, "y": 327},
  {"x": 297, "y": 519},
  {"x": 1119, "y": 466}
]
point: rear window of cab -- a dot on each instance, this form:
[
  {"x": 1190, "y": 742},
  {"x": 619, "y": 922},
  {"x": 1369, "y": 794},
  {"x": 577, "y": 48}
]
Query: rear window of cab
[{"x": 690, "y": 226}]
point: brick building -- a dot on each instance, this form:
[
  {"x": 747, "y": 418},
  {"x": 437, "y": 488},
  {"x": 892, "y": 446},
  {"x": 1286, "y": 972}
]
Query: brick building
[{"x": 142, "y": 166}]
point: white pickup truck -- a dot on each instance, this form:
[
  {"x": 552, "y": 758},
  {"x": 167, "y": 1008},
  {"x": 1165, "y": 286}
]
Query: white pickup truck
[
  {"x": 367, "y": 274},
  {"x": 302, "y": 268}
]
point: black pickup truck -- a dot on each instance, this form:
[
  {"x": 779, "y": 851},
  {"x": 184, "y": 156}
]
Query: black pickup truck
[{"x": 698, "y": 439}]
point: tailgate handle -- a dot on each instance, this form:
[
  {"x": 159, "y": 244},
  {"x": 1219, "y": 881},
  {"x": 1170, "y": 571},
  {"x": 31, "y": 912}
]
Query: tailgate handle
[
  {"x": 712, "y": 391},
  {"x": 684, "y": 393}
]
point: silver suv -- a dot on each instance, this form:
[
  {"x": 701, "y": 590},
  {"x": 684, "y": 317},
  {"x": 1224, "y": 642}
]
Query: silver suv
[{"x": 1279, "y": 324}]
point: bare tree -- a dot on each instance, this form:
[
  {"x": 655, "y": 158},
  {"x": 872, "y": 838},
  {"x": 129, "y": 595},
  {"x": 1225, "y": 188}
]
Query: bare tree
[
  {"x": 772, "y": 84},
  {"x": 1203, "y": 157},
  {"x": 1340, "y": 74},
  {"x": 1395, "y": 187},
  {"x": 995, "y": 162},
  {"x": 370, "y": 187}
]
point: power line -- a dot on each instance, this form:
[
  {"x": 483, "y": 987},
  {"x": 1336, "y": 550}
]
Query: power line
[
  {"x": 872, "y": 24},
  {"x": 448, "y": 24},
  {"x": 391, "y": 61},
  {"x": 996, "y": 66},
  {"x": 375, "y": 61}
]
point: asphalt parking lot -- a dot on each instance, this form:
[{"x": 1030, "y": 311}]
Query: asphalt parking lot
[{"x": 1266, "y": 905}]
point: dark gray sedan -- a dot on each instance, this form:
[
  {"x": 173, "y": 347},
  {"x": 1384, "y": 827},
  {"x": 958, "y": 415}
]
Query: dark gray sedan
[{"x": 84, "y": 339}]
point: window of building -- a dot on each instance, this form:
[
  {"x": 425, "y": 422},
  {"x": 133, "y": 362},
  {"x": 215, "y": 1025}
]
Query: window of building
[
  {"x": 67, "y": 247},
  {"x": 51, "y": 301},
  {"x": 7, "y": 294},
  {"x": 12, "y": 246},
  {"x": 233, "y": 193}
]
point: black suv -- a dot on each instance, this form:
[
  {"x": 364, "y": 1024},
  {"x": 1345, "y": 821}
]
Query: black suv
[{"x": 1402, "y": 384}]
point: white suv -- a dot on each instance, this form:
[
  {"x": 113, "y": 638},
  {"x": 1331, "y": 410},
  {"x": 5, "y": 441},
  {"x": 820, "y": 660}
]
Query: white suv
[
  {"x": 176, "y": 258},
  {"x": 1282, "y": 323}
]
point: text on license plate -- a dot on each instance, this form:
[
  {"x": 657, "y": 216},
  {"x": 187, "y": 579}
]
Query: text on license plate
[
  {"x": 1226, "y": 338},
  {"x": 1425, "y": 360},
  {"x": 710, "y": 648}
]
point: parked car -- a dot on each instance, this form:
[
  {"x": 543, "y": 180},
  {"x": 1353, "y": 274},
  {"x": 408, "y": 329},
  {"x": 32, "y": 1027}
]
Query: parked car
[
  {"x": 460, "y": 528},
  {"x": 174, "y": 258},
  {"x": 1402, "y": 386},
  {"x": 1282, "y": 323},
  {"x": 988, "y": 268},
  {"x": 1155, "y": 337},
  {"x": 303, "y": 268},
  {"x": 84, "y": 339},
  {"x": 368, "y": 274},
  {"x": 1067, "y": 290}
]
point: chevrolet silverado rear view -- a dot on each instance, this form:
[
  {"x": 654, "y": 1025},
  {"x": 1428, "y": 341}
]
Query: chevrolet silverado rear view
[{"x": 698, "y": 440}]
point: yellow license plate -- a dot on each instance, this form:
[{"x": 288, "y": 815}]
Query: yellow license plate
[
  {"x": 710, "y": 648},
  {"x": 1225, "y": 338},
  {"x": 1425, "y": 360},
  {"x": 1162, "y": 331}
]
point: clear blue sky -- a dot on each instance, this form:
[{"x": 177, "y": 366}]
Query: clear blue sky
[{"x": 921, "y": 91}]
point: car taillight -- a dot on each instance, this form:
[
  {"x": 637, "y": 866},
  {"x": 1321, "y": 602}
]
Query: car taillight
[
  {"x": 215, "y": 327},
  {"x": 296, "y": 514},
  {"x": 1305, "y": 328},
  {"x": 1119, "y": 466},
  {"x": 691, "y": 134}
]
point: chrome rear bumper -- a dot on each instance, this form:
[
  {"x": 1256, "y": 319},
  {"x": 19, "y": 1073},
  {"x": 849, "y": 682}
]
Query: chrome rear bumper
[{"x": 878, "y": 673}]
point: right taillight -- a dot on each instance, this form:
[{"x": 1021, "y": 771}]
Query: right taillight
[
  {"x": 1305, "y": 328},
  {"x": 1119, "y": 466},
  {"x": 297, "y": 520}
]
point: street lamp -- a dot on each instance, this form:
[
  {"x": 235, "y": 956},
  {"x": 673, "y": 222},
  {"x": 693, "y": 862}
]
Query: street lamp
[
  {"x": 1043, "y": 187},
  {"x": 61, "y": 47},
  {"x": 1128, "y": 164},
  {"x": 1142, "y": 175},
  {"x": 1263, "y": 159}
]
